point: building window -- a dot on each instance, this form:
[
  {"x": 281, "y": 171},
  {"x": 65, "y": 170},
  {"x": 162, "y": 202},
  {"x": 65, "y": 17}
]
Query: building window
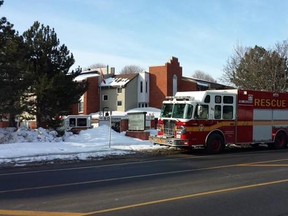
[
  {"x": 146, "y": 87},
  {"x": 141, "y": 86},
  {"x": 175, "y": 84},
  {"x": 119, "y": 90},
  {"x": 143, "y": 104},
  {"x": 119, "y": 103},
  {"x": 81, "y": 107},
  {"x": 105, "y": 97}
]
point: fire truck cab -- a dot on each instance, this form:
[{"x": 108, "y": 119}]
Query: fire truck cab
[{"x": 214, "y": 119}]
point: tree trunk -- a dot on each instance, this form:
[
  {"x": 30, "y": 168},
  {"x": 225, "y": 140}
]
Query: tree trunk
[
  {"x": 12, "y": 122},
  {"x": 41, "y": 122}
]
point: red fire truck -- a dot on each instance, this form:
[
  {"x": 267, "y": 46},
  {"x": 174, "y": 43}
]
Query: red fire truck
[{"x": 214, "y": 119}]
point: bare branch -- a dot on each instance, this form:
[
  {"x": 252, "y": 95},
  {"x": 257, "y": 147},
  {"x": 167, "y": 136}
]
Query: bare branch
[{"x": 131, "y": 69}]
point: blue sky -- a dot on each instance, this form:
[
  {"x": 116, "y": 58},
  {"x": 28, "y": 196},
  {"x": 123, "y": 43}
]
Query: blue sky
[{"x": 201, "y": 34}]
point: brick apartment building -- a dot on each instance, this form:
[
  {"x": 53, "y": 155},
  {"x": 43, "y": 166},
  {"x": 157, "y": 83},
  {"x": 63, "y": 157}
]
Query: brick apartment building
[{"x": 126, "y": 91}]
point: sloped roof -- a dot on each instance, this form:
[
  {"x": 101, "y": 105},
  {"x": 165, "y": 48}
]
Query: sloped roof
[
  {"x": 205, "y": 83},
  {"x": 118, "y": 80},
  {"x": 86, "y": 74},
  {"x": 82, "y": 77}
]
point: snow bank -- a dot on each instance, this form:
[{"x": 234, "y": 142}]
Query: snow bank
[
  {"x": 11, "y": 135},
  {"x": 24, "y": 145}
]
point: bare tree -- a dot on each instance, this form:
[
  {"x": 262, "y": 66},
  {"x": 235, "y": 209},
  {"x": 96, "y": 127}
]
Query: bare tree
[
  {"x": 131, "y": 69},
  {"x": 258, "y": 69},
  {"x": 203, "y": 76},
  {"x": 96, "y": 65},
  {"x": 232, "y": 64}
]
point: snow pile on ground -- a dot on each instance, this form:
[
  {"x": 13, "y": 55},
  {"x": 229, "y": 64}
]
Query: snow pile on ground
[
  {"x": 11, "y": 135},
  {"x": 23, "y": 146}
]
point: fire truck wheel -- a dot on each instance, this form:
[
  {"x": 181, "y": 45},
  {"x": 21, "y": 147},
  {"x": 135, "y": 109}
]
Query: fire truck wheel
[
  {"x": 280, "y": 141},
  {"x": 215, "y": 144}
]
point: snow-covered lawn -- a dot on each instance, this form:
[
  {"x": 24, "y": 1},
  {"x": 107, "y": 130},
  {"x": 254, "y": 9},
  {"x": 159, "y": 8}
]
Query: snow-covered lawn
[{"x": 24, "y": 146}]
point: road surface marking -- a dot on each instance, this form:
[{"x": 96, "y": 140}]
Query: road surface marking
[
  {"x": 190, "y": 157},
  {"x": 37, "y": 213},
  {"x": 189, "y": 196},
  {"x": 269, "y": 161},
  {"x": 40, "y": 213},
  {"x": 155, "y": 202},
  {"x": 137, "y": 176},
  {"x": 102, "y": 166},
  {"x": 115, "y": 179},
  {"x": 265, "y": 165}
]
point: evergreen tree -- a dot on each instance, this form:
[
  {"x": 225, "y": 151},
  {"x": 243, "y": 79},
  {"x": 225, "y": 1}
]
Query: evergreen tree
[
  {"x": 53, "y": 88},
  {"x": 12, "y": 72}
]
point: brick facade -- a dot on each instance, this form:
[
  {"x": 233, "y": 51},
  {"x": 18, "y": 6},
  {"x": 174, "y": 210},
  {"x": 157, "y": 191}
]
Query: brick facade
[
  {"x": 161, "y": 82},
  {"x": 91, "y": 98},
  {"x": 187, "y": 85}
]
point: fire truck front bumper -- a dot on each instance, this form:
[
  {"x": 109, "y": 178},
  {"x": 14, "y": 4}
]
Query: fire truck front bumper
[{"x": 167, "y": 141}]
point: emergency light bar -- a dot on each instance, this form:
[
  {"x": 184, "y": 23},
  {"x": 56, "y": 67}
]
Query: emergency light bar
[{"x": 178, "y": 98}]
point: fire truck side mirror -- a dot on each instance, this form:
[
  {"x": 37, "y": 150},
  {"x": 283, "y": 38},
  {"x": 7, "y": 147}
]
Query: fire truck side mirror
[{"x": 199, "y": 110}]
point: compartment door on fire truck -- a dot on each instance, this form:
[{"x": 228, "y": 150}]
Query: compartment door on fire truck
[{"x": 262, "y": 125}]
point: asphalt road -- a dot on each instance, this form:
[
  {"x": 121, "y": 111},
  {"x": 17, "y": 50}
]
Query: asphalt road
[{"x": 233, "y": 183}]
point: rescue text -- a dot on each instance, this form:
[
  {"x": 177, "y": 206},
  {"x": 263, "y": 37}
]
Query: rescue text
[{"x": 270, "y": 103}]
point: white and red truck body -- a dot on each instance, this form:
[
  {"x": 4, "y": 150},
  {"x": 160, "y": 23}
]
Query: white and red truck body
[{"x": 214, "y": 119}]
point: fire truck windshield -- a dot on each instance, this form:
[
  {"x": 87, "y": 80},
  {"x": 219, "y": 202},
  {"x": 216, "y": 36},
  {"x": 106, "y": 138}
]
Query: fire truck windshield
[{"x": 178, "y": 110}]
